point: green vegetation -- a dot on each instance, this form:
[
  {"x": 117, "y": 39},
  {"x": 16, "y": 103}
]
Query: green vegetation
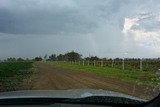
[
  {"x": 13, "y": 73},
  {"x": 139, "y": 77},
  {"x": 69, "y": 56}
]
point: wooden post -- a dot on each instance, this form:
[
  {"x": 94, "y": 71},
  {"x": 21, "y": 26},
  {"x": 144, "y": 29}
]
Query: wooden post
[
  {"x": 140, "y": 64},
  {"x": 112, "y": 62},
  {"x": 123, "y": 64},
  {"x": 79, "y": 62},
  {"x": 94, "y": 63},
  {"x": 88, "y": 62},
  {"x": 101, "y": 63},
  {"x": 83, "y": 62}
]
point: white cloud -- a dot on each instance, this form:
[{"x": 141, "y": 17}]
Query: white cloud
[
  {"x": 143, "y": 30},
  {"x": 128, "y": 23}
]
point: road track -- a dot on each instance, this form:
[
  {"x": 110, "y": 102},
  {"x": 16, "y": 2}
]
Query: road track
[{"x": 48, "y": 77}]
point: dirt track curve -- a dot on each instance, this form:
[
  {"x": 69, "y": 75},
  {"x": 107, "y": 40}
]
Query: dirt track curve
[{"x": 47, "y": 77}]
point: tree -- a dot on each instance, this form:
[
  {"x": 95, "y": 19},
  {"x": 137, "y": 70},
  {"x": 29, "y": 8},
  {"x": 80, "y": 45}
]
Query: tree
[
  {"x": 52, "y": 57},
  {"x": 38, "y": 58},
  {"x": 87, "y": 58},
  {"x": 73, "y": 56},
  {"x": 105, "y": 59},
  {"x": 60, "y": 57},
  {"x": 92, "y": 58},
  {"x": 45, "y": 57},
  {"x": 27, "y": 59},
  {"x": 20, "y": 59},
  {"x": 11, "y": 59},
  {"x": 118, "y": 59}
]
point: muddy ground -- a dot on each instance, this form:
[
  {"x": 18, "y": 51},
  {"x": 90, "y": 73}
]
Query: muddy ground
[{"x": 46, "y": 77}]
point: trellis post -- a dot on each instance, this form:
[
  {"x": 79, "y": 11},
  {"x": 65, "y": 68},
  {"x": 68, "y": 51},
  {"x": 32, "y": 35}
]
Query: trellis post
[
  {"x": 112, "y": 62},
  {"x": 123, "y": 64},
  {"x": 94, "y": 63},
  {"x": 101, "y": 63},
  {"x": 140, "y": 64},
  {"x": 83, "y": 62}
]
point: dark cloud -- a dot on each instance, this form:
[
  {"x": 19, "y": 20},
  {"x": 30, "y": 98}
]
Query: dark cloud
[
  {"x": 44, "y": 22},
  {"x": 29, "y": 19},
  {"x": 87, "y": 26}
]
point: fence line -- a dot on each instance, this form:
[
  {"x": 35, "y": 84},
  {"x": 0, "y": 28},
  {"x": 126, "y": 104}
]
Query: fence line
[{"x": 122, "y": 64}]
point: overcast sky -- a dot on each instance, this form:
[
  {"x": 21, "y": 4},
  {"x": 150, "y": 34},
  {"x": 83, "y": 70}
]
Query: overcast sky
[{"x": 106, "y": 28}]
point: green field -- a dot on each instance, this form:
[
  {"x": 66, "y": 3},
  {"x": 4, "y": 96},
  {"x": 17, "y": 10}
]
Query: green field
[
  {"x": 136, "y": 76},
  {"x": 12, "y": 74}
]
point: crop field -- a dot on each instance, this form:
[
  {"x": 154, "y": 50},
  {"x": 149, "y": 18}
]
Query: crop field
[{"x": 12, "y": 74}]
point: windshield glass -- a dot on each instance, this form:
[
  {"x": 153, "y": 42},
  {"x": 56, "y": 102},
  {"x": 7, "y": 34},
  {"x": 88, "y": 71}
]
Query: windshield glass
[{"x": 81, "y": 44}]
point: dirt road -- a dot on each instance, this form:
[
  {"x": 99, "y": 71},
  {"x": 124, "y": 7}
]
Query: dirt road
[{"x": 47, "y": 77}]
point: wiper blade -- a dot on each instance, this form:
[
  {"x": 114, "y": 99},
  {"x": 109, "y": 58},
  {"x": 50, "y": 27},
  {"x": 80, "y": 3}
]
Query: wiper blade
[
  {"x": 106, "y": 99},
  {"x": 87, "y": 100}
]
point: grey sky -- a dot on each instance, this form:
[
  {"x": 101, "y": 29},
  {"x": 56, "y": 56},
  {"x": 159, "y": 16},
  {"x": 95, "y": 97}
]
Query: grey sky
[{"x": 106, "y": 28}]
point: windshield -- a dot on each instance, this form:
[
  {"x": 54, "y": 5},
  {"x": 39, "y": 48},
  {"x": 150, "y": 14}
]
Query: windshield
[{"x": 107, "y": 45}]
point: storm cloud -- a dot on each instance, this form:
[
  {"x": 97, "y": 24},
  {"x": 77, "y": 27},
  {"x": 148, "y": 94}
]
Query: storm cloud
[
  {"x": 106, "y": 28},
  {"x": 43, "y": 17}
]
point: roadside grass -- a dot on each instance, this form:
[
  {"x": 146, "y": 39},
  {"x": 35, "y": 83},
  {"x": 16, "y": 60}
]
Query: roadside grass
[
  {"x": 138, "y": 77},
  {"x": 12, "y": 74}
]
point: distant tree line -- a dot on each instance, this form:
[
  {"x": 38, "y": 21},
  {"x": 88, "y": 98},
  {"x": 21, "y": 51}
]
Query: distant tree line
[
  {"x": 69, "y": 56},
  {"x": 75, "y": 56}
]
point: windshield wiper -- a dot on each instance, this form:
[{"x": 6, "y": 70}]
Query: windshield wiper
[{"x": 103, "y": 100}]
